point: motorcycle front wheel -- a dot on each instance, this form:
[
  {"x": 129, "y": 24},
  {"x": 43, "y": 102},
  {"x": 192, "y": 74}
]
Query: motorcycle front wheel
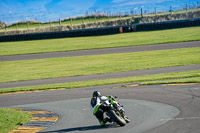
[{"x": 117, "y": 118}]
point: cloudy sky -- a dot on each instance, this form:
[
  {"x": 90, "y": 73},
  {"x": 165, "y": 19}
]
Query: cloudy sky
[{"x": 44, "y": 10}]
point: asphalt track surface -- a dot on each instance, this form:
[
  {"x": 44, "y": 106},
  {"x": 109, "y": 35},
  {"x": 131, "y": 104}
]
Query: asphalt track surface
[
  {"x": 152, "y": 109},
  {"x": 101, "y": 51}
]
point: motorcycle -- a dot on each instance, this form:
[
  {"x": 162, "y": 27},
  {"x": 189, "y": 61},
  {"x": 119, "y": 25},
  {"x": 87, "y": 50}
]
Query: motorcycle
[{"x": 116, "y": 112}]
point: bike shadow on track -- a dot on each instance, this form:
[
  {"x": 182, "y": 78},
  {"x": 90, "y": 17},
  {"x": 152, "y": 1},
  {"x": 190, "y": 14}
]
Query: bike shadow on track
[{"x": 85, "y": 128}]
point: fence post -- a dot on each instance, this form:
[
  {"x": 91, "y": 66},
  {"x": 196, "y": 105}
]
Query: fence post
[
  {"x": 59, "y": 22},
  {"x": 5, "y": 27},
  {"x": 49, "y": 23},
  {"x": 83, "y": 20},
  {"x": 186, "y": 8},
  {"x": 170, "y": 10},
  {"x": 95, "y": 19},
  {"x": 27, "y": 24},
  {"x": 133, "y": 13},
  {"x": 17, "y": 26},
  {"x": 71, "y": 21},
  {"x": 141, "y": 13}
]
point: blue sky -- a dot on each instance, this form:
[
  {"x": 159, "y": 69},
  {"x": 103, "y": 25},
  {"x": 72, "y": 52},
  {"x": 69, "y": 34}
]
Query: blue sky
[{"x": 44, "y": 10}]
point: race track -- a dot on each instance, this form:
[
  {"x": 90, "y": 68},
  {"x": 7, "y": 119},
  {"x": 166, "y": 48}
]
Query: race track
[
  {"x": 77, "y": 116},
  {"x": 101, "y": 51},
  {"x": 152, "y": 109}
]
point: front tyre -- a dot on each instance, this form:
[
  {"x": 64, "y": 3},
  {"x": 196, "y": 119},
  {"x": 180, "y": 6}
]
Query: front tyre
[{"x": 117, "y": 118}]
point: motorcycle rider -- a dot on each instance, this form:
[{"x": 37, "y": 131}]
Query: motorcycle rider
[{"x": 98, "y": 109}]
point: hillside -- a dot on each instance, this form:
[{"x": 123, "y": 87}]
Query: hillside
[{"x": 95, "y": 22}]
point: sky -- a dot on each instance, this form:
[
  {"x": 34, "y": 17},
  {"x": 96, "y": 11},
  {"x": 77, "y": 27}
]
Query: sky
[{"x": 12, "y": 11}]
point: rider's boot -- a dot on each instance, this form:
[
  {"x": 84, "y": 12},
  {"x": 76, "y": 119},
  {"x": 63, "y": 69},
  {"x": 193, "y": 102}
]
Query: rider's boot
[{"x": 107, "y": 120}]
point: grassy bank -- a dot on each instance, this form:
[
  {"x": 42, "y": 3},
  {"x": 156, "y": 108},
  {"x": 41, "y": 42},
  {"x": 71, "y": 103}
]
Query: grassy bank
[
  {"x": 186, "y": 77},
  {"x": 96, "y": 64},
  {"x": 70, "y": 22},
  {"x": 84, "y": 20},
  {"x": 11, "y": 119},
  {"x": 118, "y": 40}
]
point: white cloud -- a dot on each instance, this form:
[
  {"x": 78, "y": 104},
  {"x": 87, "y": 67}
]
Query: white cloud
[
  {"x": 136, "y": 2},
  {"x": 75, "y": 4},
  {"x": 119, "y": 1}
]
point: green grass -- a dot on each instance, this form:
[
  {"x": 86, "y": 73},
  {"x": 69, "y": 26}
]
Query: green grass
[
  {"x": 96, "y": 64},
  {"x": 118, "y": 40},
  {"x": 11, "y": 119},
  {"x": 76, "y": 21},
  {"x": 189, "y": 76},
  {"x": 174, "y": 12},
  {"x": 177, "y": 81}
]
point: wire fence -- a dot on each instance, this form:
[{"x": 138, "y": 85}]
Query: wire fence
[{"x": 101, "y": 19}]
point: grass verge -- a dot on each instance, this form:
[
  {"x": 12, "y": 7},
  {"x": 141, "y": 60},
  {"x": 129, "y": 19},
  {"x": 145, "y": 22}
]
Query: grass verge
[
  {"x": 12, "y": 119},
  {"x": 108, "y": 41},
  {"x": 177, "y": 81},
  {"x": 190, "y": 76},
  {"x": 96, "y": 64}
]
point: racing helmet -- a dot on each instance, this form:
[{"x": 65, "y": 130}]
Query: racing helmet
[{"x": 96, "y": 94}]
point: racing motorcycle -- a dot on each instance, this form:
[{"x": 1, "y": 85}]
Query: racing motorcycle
[{"x": 116, "y": 112}]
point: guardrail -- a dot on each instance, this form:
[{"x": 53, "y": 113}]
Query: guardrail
[
  {"x": 103, "y": 31},
  {"x": 167, "y": 25}
]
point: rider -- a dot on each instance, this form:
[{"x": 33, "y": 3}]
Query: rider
[{"x": 99, "y": 109}]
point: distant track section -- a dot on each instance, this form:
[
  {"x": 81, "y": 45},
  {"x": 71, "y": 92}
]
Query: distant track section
[
  {"x": 101, "y": 51},
  {"x": 100, "y": 76}
]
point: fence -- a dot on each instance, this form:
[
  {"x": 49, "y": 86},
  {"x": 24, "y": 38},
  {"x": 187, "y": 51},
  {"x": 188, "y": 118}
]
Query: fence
[
  {"x": 166, "y": 25},
  {"x": 169, "y": 17},
  {"x": 101, "y": 20},
  {"x": 103, "y": 31},
  {"x": 71, "y": 27}
]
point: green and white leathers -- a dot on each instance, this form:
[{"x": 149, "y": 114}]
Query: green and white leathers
[
  {"x": 98, "y": 108},
  {"x": 99, "y": 100},
  {"x": 114, "y": 111}
]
